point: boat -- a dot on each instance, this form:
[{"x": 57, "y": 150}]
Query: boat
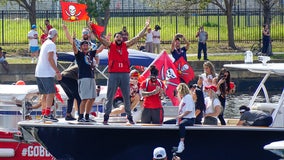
[
  {"x": 276, "y": 148},
  {"x": 117, "y": 141}
]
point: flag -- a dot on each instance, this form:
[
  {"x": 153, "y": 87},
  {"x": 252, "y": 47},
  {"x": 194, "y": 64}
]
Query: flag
[
  {"x": 74, "y": 11},
  {"x": 97, "y": 29},
  {"x": 167, "y": 73},
  {"x": 184, "y": 70}
]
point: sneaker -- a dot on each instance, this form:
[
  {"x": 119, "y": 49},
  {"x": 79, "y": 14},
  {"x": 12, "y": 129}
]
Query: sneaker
[
  {"x": 90, "y": 120},
  {"x": 180, "y": 147},
  {"x": 105, "y": 122},
  {"x": 70, "y": 118},
  {"x": 82, "y": 120},
  {"x": 130, "y": 120},
  {"x": 50, "y": 118}
]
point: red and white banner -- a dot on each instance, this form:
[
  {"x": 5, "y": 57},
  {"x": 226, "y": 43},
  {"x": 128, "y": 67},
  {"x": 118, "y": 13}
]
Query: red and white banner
[
  {"x": 74, "y": 11},
  {"x": 167, "y": 73}
]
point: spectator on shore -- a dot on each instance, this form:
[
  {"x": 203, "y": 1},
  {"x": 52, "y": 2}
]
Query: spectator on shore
[
  {"x": 33, "y": 43},
  {"x": 124, "y": 34},
  {"x": 265, "y": 40},
  {"x": 3, "y": 61},
  {"x": 202, "y": 36},
  {"x": 254, "y": 117},
  {"x": 45, "y": 31},
  {"x": 149, "y": 40},
  {"x": 176, "y": 50},
  {"x": 156, "y": 39}
]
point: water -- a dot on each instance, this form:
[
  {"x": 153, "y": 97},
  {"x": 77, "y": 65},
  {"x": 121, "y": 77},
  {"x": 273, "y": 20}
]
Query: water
[{"x": 234, "y": 101}]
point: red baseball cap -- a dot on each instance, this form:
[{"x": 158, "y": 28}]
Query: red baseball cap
[{"x": 214, "y": 88}]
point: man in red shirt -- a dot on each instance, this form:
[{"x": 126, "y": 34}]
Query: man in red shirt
[
  {"x": 119, "y": 68},
  {"x": 152, "y": 89}
]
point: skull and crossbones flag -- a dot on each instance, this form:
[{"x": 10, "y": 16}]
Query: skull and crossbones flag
[
  {"x": 74, "y": 11},
  {"x": 167, "y": 73}
]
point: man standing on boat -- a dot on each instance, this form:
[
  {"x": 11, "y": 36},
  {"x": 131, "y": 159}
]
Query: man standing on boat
[
  {"x": 119, "y": 68},
  {"x": 46, "y": 69},
  {"x": 86, "y": 81},
  {"x": 152, "y": 89}
]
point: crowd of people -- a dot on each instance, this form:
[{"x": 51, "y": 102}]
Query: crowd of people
[{"x": 202, "y": 103}]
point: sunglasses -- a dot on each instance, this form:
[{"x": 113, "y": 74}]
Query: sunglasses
[{"x": 86, "y": 32}]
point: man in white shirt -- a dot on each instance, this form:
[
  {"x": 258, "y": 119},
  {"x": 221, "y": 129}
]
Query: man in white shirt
[
  {"x": 33, "y": 43},
  {"x": 46, "y": 70}
]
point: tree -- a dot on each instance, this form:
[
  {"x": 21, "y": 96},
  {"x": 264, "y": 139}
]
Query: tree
[
  {"x": 30, "y": 7},
  {"x": 226, "y": 6},
  {"x": 98, "y": 9},
  {"x": 267, "y": 6}
]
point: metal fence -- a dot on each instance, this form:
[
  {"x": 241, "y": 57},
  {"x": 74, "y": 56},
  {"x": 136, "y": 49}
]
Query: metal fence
[{"x": 14, "y": 24}]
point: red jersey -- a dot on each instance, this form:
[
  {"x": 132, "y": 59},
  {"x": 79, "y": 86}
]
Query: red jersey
[
  {"x": 154, "y": 101},
  {"x": 118, "y": 61}
]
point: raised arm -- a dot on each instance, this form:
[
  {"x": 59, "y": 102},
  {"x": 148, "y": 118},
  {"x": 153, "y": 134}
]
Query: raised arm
[
  {"x": 75, "y": 50},
  {"x": 67, "y": 34},
  {"x": 186, "y": 43},
  {"x": 173, "y": 44},
  {"x": 135, "y": 39}
]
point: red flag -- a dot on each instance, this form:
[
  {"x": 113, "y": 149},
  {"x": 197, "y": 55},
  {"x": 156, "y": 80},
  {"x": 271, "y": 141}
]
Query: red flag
[
  {"x": 97, "y": 29},
  {"x": 167, "y": 73},
  {"x": 74, "y": 11},
  {"x": 185, "y": 71}
]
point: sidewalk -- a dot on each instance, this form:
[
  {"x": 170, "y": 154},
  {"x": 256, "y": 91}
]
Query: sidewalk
[{"x": 229, "y": 53}]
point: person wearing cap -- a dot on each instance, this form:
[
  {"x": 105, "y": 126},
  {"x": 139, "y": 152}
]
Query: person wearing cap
[
  {"x": 118, "y": 102},
  {"x": 3, "y": 61},
  {"x": 119, "y": 68},
  {"x": 152, "y": 89},
  {"x": 176, "y": 50},
  {"x": 46, "y": 70},
  {"x": 86, "y": 79},
  {"x": 33, "y": 43},
  {"x": 213, "y": 106},
  {"x": 160, "y": 153},
  {"x": 198, "y": 98},
  {"x": 156, "y": 39},
  {"x": 254, "y": 117},
  {"x": 149, "y": 40}
]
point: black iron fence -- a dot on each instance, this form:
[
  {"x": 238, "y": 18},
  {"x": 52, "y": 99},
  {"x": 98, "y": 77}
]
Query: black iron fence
[{"x": 14, "y": 24}]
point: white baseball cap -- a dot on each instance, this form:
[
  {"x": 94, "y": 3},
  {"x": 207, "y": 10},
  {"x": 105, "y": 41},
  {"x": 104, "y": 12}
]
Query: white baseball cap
[
  {"x": 52, "y": 32},
  {"x": 159, "y": 153}
]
